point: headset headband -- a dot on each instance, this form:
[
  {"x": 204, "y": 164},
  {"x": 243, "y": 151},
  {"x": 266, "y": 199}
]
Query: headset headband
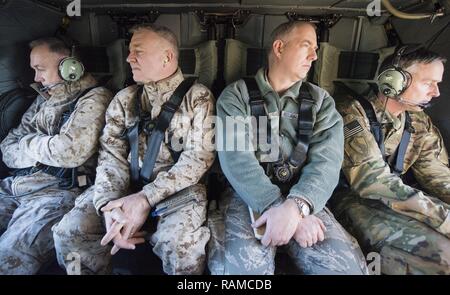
[{"x": 398, "y": 56}]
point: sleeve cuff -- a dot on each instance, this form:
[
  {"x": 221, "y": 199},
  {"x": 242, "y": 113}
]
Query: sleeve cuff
[
  {"x": 444, "y": 228},
  {"x": 154, "y": 196},
  {"x": 99, "y": 205},
  {"x": 307, "y": 201},
  {"x": 278, "y": 201}
]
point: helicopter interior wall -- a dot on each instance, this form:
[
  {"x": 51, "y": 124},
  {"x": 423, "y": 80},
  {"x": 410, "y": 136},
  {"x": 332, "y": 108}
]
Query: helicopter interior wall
[{"x": 22, "y": 21}]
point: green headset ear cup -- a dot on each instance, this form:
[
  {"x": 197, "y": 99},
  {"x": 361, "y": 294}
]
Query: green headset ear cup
[
  {"x": 70, "y": 69},
  {"x": 392, "y": 82}
]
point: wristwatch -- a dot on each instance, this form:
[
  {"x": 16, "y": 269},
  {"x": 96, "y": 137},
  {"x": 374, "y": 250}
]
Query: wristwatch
[{"x": 303, "y": 206}]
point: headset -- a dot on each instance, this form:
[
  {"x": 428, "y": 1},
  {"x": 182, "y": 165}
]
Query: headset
[
  {"x": 393, "y": 81},
  {"x": 70, "y": 68}
]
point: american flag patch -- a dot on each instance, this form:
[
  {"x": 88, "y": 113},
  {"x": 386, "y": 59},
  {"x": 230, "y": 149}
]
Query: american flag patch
[{"x": 352, "y": 128}]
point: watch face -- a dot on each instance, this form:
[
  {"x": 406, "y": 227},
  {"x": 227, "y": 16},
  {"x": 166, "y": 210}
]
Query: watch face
[{"x": 304, "y": 208}]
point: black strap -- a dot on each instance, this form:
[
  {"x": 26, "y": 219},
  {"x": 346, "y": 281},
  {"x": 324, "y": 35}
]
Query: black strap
[
  {"x": 257, "y": 109},
  {"x": 375, "y": 126},
  {"x": 133, "y": 138},
  {"x": 256, "y": 101},
  {"x": 256, "y": 105},
  {"x": 165, "y": 117},
  {"x": 305, "y": 127},
  {"x": 397, "y": 159},
  {"x": 305, "y": 118},
  {"x": 66, "y": 115},
  {"x": 399, "y": 155}
]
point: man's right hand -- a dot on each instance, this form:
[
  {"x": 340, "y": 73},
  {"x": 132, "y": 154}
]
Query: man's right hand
[
  {"x": 310, "y": 230},
  {"x": 114, "y": 222},
  {"x": 281, "y": 223}
]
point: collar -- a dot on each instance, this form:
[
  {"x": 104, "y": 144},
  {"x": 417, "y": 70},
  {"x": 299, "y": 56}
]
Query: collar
[
  {"x": 159, "y": 89},
  {"x": 263, "y": 82},
  {"x": 384, "y": 117},
  {"x": 67, "y": 89}
]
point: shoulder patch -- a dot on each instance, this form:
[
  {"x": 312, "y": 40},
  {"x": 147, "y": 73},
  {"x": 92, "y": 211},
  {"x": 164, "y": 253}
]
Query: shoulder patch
[{"x": 352, "y": 128}]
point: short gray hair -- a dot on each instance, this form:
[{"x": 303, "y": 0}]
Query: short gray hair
[
  {"x": 283, "y": 30},
  {"x": 54, "y": 44},
  {"x": 413, "y": 55},
  {"x": 162, "y": 31}
]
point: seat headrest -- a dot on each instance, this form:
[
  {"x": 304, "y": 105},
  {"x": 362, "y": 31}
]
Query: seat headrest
[
  {"x": 117, "y": 53},
  {"x": 200, "y": 61},
  {"x": 356, "y": 69},
  {"x": 242, "y": 60}
]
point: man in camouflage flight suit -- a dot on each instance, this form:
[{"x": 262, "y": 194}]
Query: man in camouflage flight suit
[
  {"x": 181, "y": 237},
  {"x": 39, "y": 148},
  {"x": 295, "y": 216},
  {"x": 407, "y": 222}
]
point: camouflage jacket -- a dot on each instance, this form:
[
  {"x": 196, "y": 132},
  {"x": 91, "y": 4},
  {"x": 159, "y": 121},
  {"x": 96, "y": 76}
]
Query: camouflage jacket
[
  {"x": 189, "y": 126},
  {"x": 319, "y": 176},
  {"x": 40, "y": 139},
  {"x": 371, "y": 177}
]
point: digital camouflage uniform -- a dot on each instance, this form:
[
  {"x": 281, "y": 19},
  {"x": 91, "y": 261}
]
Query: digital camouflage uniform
[
  {"x": 31, "y": 204},
  {"x": 233, "y": 246},
  {"x": 181, "y": 237},
  {"x": 410, "y": 227}
]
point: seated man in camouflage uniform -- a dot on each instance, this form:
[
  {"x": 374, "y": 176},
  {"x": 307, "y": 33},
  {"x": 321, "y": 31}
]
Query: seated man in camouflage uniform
[
  {"x": 116, "y": 209},
  {"x": 293, "y": 211},
  {"x": 397, "y": 203},
  {"x": 53, "y": 152}
]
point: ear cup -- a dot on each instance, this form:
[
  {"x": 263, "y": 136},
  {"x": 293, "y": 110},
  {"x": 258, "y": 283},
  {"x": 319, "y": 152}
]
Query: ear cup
[
  {"x": 392, "y": 82},
  {"x": 70, "y": 69}
]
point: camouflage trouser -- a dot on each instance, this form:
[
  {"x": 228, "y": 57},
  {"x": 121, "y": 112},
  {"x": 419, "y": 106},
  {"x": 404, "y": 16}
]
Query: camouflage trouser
[
  {"x": 406, "y": 245},
  {"x": 29, "y": 206},
  {"x": 179, "y": 241},
  {"x": 233, "y": 248}
]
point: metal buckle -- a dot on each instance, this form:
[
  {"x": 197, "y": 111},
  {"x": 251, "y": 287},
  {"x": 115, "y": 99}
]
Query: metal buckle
[
  {"x": 148, "y": 127},
  {"x": 282, "y": 172}
]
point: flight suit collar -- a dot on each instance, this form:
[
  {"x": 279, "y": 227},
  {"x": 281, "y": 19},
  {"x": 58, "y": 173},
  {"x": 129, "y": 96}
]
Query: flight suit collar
[
  {"x": 66, "y": 91},
  {"x": 159, "y": 90},
  {"x": 264, "y": 86},
  {"x": 385, "y": 117},
  {"x": 155, "y": 94}
]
